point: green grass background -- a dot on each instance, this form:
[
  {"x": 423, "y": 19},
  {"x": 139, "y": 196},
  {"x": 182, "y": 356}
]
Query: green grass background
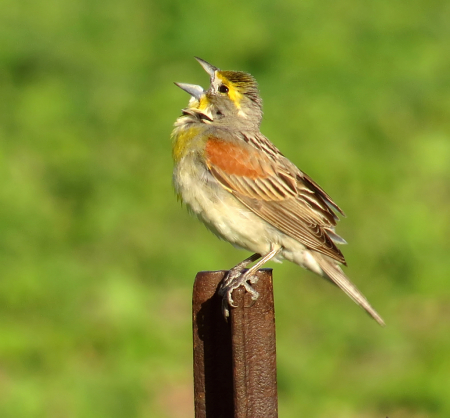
[{"x": 97, "y": 258}]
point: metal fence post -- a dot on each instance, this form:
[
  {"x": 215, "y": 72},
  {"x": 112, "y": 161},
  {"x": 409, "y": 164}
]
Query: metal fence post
[{"x": 234, "y": 362}]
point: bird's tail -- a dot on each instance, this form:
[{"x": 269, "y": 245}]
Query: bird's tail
[{"x": 333, "y": 272}]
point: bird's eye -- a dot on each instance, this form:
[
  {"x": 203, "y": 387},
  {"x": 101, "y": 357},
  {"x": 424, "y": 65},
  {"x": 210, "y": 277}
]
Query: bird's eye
[{"x": 223, "y": 88}]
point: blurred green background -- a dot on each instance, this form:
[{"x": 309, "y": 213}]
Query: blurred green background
[{"x": 97, "y": 258}]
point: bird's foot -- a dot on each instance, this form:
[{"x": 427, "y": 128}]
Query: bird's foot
[{"x": 235, "y": 279}]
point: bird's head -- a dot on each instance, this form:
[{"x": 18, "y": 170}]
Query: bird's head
[{"x": 231, "y": 99}]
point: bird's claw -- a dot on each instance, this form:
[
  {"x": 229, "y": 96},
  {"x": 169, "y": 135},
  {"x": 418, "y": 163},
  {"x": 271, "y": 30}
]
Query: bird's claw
[{"x": 233, "y": 281}]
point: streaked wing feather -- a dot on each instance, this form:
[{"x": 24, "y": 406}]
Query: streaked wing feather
[
  {"x": 324, "y": 195},
  {"x": 277, "y": 191},
  {"x": 294, "y": 220}
]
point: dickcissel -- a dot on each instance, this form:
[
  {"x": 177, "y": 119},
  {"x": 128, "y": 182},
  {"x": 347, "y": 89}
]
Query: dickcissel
[{"x": 247, "y": 192}]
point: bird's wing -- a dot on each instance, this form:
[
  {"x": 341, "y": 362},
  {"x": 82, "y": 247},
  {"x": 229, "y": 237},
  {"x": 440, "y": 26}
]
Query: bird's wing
[{"x": 273, "y": 188}]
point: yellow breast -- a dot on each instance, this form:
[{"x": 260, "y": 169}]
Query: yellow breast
[{"x": 183, "y": 141}]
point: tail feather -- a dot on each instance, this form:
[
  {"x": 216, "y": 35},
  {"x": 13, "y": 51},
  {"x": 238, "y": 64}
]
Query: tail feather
[{"x": 337, "y": 276}]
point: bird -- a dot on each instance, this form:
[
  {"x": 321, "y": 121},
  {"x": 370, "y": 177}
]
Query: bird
[{"x": 237, "y": 182}]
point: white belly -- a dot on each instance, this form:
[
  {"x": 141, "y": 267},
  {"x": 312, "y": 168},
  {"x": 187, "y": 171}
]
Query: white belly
[
  {"x": 218, "y": 209},
  {"x": 228, "y": 218}
]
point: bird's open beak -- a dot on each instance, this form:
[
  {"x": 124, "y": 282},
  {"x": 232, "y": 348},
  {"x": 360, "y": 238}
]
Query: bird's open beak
[
  {"x": 210, "y": 69},
  {"x": 192, "y": 89}
]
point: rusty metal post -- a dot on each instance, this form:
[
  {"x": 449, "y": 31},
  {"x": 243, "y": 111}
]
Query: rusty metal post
[
  {"x": 235, "y": 362},
  {"x": 213, "y": 373}
]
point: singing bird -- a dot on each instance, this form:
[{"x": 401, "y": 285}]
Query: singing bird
[{"x": 247, "y": 192}]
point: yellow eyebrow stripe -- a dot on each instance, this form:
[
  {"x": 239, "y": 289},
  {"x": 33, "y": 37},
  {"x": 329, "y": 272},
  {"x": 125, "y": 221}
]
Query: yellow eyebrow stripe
[{"x": 233, "y": 92}]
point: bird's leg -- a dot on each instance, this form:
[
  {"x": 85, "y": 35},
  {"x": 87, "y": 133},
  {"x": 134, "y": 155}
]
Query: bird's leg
[
  {"x": 237, "y": 278},
  {"x": 236, "y": 272}
]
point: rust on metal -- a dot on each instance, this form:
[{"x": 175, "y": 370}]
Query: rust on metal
[
  {"x": 213, "y": 373},
  {"x": 234, "y": 362}
]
